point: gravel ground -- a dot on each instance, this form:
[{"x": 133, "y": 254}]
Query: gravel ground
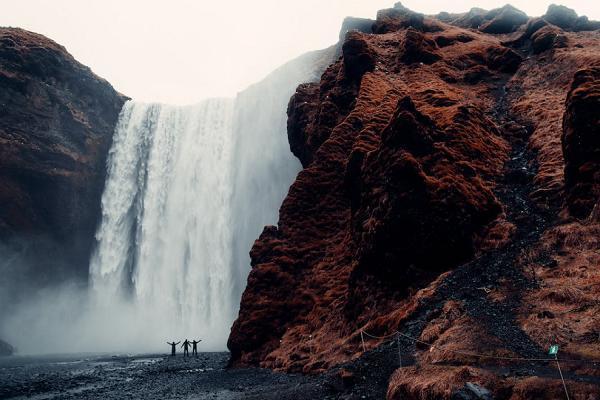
[{"x": 147, "y": 377}]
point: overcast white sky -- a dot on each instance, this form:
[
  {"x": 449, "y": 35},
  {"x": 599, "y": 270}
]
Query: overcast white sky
[{"x": 180, "y": 51}]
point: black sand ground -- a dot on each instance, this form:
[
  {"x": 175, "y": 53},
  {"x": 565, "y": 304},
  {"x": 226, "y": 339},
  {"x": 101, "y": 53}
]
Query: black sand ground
[{"x": 151, "y": 377}]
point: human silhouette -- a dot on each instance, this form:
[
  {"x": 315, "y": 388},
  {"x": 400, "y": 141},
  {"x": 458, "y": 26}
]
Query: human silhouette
[
  {"x": 186, "y": 344},
  {"x": 195, "y": 347},
  {"x": 173, "y": 348}
]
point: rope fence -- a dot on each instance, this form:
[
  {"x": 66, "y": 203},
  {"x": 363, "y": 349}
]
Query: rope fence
[
  {"x": 478, "y": 355},
  {"x": 398, "y": 335}
]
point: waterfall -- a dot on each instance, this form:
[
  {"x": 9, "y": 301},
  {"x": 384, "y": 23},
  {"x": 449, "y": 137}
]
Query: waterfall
[
  {"x": 163, "y": 242},
  {"x": 188, "y": 190}
]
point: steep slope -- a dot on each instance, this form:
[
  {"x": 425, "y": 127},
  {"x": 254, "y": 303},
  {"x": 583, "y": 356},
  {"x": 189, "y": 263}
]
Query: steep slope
[
  {"x": 56, "y": 123},
  {"x": 430, "y": 204}
]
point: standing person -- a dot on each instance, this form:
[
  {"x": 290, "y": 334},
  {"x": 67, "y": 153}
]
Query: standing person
[
  {"x": 195, "y": 347},
  {"x": 173, "y": 348},
  {"x": 186, "y": 345}
]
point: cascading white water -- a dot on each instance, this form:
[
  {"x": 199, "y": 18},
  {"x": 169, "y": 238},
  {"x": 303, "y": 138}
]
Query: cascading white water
[
  {"x": 188, "y": 190},
  {"x": 163, "y": 243}
]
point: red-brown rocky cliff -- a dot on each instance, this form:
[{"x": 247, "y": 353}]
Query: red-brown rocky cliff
[{"x": 448, "y": 192}]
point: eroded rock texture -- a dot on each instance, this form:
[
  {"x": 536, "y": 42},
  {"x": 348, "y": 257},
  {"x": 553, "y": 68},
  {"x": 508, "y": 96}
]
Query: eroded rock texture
[
  {"x": 430, "y": 203},
  {"x": 581, "y": 142},
  {"x": 56, "y": 125}
]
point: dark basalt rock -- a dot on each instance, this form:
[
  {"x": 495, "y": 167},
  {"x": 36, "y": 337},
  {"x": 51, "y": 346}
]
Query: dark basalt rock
[
  {"x": 561, "y": 16},
  {"x": 581, "y": 142},
  {"x": 56, "y": 124},
  {"x": 472, "y": 391},
  {"x": 503, "y": 20},
  {"x": 584, "y": 24}
]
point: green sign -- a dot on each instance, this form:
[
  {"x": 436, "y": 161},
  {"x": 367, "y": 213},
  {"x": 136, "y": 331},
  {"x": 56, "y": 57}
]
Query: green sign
[{"x": 553, "y": 350}]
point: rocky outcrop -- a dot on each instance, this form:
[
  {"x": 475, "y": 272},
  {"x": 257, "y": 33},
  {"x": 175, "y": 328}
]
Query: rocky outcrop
[
  {"x": 399, "y": 17},
  {"x": 6, "y": 349},
  {"x": 568, "y": 19},
  {"x": 429, "y": 204},
  {"x": 561, "y": 16},
  {"x": 56, "y": 125},
  {"x": 547, "y": 38},
  {"x": 581, "y": 142},
  {"x": 503, "y": 20}
]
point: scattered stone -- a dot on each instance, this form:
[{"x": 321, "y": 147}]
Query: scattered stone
[{"x": 472, "y": 391}]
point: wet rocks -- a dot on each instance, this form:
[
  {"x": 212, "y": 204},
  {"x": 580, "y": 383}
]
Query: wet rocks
[{"x": 581, "y": 142}]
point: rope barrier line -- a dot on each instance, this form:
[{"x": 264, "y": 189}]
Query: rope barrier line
[
  {"x": 380, "y": 337},
  {"x": 464, "y": 353},
  {"x": 561, "y": 377},
  {"x": 431, "y": 347}
]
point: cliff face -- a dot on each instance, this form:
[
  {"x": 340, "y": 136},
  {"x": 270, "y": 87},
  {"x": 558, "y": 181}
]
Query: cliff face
[
  {"x": 56, "y": 123},
  {"x": 430, "y": 204}
]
